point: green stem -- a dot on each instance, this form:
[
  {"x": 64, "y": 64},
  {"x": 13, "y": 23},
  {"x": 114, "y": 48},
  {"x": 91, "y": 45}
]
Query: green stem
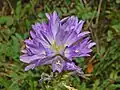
[
  {"x": 96, "y": 34},
  {"x": 10, "y": 6}
]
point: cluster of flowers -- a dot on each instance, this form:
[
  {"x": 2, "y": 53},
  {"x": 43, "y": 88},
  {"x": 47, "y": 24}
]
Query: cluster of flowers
[{"x": 57, "y": 42}]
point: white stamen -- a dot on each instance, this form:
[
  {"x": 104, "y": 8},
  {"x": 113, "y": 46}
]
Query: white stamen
[{"x": 77, "y": 51}]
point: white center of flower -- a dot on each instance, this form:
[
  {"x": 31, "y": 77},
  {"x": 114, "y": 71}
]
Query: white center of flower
[
  {"x": 77, "y": 51},
  {"x": 57, "y": 48},
  {"x": 58, "y": 62}
]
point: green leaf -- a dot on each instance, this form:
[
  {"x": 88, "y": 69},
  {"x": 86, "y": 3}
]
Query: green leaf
[
  {"x": 113, "y": 75},
  {"x": 83, "y": 87},
  {"x": 15, "y": 44},
  {"x": 2, "y": 20},
  {"x": 27, "y": 24},
  {"x": 110, "y": 35},
  {"x": 116, "y": 27},
  {"x": 102, "y": 50},
  {"x": 19, "y": 36},
  {"x": 14, "y": 86},
  {"x": 114, "y": 87},
  {"x": 64, "y": 10},
  {"x": 8, "y": 20},
  {"x": 95, "y": 85},
  {"x": 13, "y": 29},
  {"x": 118, "y": 1},
  {"x": 67, "y": 1},
  {"x": 18, "y": 9},
  {"x": 4, "y": 82},
  {"x": 41, "y": 15}
]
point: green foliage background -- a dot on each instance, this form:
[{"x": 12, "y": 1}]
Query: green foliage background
[{"x": 102, "y": 20}]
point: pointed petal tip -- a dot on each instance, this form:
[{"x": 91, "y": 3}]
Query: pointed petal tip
[
  {"x": 23, "y": 58},
  {"x": 83, "y": 33},
  {"x": 24, "y": 61},
  {"x": 31, "y": 66},
  {"x": 55, "y": 12},
  {"x": 64, "y": 19},
  {"x": 91, "y": 44},
  {"x": 47, "y": 15},
  {"x": 81, "y": 21},
  {"x": 25, "y": 70}
]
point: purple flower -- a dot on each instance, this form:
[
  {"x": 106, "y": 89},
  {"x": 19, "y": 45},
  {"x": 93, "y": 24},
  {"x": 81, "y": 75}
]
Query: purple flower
[{"x": 57, "y": 43}]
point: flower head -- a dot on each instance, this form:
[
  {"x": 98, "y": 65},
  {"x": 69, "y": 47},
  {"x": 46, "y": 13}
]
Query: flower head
[{"x": 57, "y": 43}]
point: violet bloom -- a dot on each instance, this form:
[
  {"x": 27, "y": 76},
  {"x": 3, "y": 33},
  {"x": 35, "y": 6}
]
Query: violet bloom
[{"x": 57, "y": 43}]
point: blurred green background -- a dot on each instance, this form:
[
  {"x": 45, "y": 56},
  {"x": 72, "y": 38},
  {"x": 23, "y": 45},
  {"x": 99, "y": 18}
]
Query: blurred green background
[{"x": 102, "y": 19}]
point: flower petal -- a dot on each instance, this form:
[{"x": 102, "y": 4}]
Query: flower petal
[
  {"x": 79, "y": 27},
  {"x": 31, "y": 66},
  {"x": 91, "y": 44},
  {"x": 28, "y": 59},
  {"x": 57, "y": 64},
  {"x": 70, "y": 66}
]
